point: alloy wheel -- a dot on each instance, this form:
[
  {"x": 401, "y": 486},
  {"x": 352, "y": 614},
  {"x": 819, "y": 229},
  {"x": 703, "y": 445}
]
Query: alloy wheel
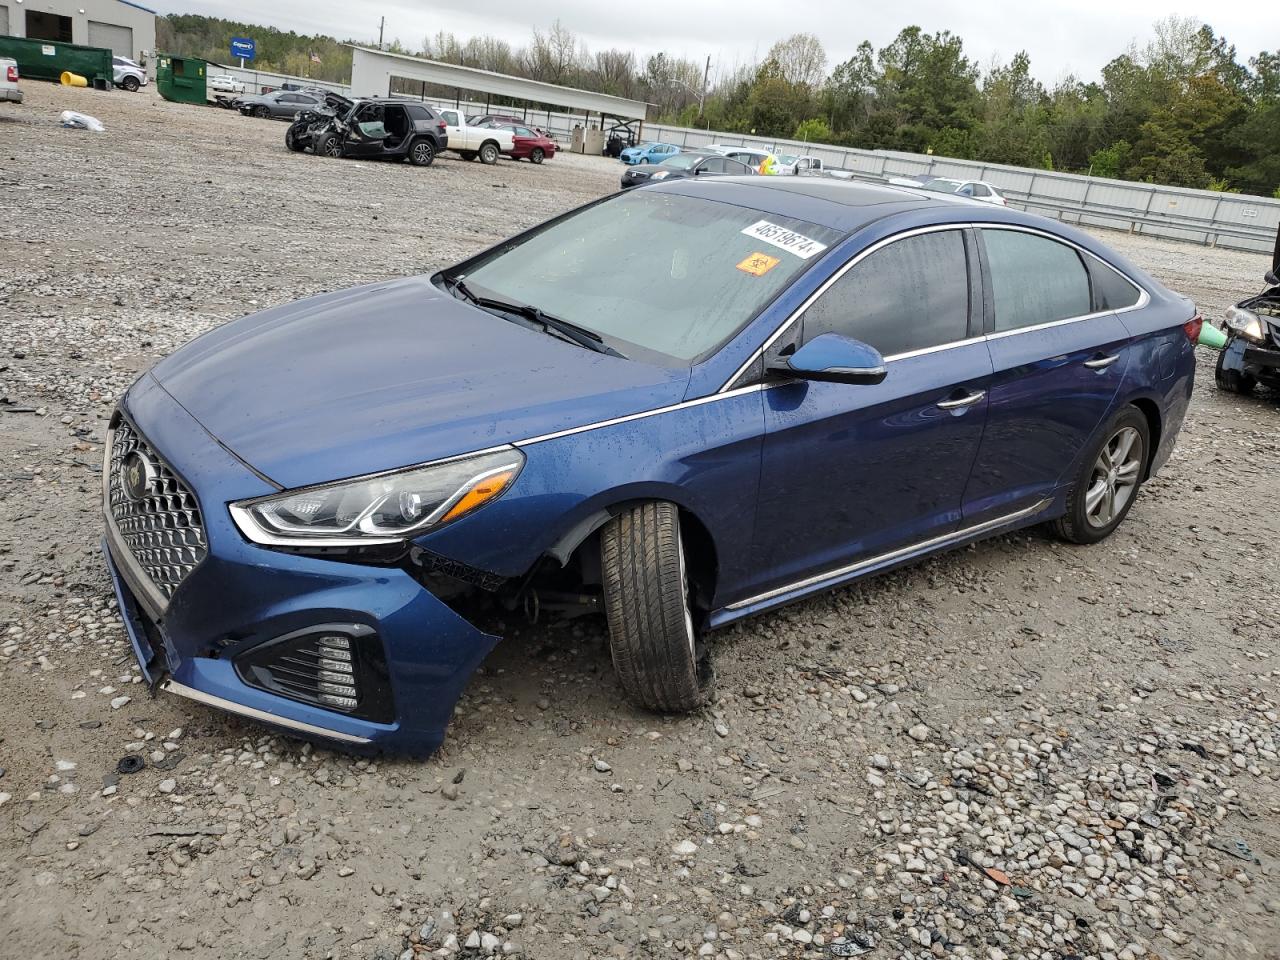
[{"x": 1114, "y": 478}]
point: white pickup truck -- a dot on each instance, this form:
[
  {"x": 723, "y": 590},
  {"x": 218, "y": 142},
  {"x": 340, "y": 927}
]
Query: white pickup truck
[
  {"x": 487, "y": 143},
  {"x": 9, "y": 89}
]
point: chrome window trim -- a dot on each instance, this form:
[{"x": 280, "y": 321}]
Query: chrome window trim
[
  {"x": 901, "y": 553},
  {"x": 1144, "y": 298},
  {"x": 231, "y": 706},
  {"x": 798, "y": 312}
]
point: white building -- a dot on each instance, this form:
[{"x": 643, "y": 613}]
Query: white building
[{"x": 127, "y": 29}]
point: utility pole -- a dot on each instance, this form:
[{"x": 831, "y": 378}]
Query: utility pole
[
  {"x": 381, "y": 26},
  {"x": 702, "y": 100}
]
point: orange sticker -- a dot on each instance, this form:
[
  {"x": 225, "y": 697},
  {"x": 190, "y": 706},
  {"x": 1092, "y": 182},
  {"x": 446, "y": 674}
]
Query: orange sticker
[{"x": 758, "y": 264}]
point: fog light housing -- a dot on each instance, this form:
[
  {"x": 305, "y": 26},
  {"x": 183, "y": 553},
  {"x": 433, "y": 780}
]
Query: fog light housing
[{"x": 340, "y": 667}]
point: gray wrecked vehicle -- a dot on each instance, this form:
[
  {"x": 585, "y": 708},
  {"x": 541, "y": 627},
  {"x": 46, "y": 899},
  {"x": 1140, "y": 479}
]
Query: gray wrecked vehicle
[{"x": 1252, "y": 351}]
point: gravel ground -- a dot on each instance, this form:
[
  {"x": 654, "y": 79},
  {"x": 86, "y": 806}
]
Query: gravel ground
[{"x": 1022, "y": 749}]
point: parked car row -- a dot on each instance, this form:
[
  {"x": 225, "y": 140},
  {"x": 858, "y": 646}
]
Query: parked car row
[
  {"x": 376, "y": 128},
  {"x": 973, "y": 189},
  {"x": 760, "y": 161}
]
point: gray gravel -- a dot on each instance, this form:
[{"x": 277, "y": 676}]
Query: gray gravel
[{"x": 1021, "y": 749}]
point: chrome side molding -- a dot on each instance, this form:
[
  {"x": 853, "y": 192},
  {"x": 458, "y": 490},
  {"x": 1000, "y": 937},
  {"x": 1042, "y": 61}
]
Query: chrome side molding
[
  {"x": 230, "y": 706},
  {"x": 832, "y": 577}
]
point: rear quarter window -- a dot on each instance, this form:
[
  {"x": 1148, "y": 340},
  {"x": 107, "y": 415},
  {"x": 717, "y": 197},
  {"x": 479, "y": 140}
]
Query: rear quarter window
[{"x": 1111, "y": 289}]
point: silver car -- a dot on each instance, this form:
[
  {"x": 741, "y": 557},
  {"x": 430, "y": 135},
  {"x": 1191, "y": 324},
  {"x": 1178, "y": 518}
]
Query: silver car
[
  {"x": 279, "y": 104},
  {"x": 127, "y": 74}
]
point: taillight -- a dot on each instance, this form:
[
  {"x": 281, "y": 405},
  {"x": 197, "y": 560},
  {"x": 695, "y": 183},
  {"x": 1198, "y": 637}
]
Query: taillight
[
  {"x": 442, "y": 125},
  {"x": 1192, "y": 327},
  {"x": 13, "y": 74}
]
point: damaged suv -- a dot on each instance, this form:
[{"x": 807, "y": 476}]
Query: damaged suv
[
  {"x": 382, "y": 130},
  {"x": 1252, "y": 351},
  {"x": 678, "y": 406}
]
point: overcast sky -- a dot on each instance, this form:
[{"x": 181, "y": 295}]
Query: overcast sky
[{"x": 1062, "y": 36}]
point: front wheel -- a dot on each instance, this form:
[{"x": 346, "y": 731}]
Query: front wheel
[
  {"x": 536, "y": 155},
  {"x": 1108, "y": 481},
  {"x": 1232, "y": 381},
  {"x": 262, "y": 113},
  {"x": 293, "y": 141},
  {"x": 489, "y": 153},
  {"x": 656, "y": 653},
  {"x": 422, "y": 153},
  {"x": 330, "y": 145},
  {"x": 130, "y": 84}
]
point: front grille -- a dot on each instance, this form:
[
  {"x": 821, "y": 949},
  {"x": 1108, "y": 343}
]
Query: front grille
[{"x": 161, "y": 526}]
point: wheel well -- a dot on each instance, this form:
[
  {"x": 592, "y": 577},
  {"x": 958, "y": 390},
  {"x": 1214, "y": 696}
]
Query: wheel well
[
  {"x": 701, "y": 560},
  {"x": 487, "y": 142},
  {"x": 1149, "y": 410}
]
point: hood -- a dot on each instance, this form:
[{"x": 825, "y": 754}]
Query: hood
[{"x": 388, "y": 375}]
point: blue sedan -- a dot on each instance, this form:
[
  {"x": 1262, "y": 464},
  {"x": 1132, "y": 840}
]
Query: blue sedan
[
  {"x": 648, "y": 153},
  {"x": 680, "y": 406}
]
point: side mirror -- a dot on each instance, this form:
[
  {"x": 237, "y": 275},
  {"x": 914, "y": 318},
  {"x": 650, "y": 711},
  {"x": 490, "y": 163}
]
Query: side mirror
[
  {"x": 834, "y": 359},
  {"x": 1273, "y": 277}
]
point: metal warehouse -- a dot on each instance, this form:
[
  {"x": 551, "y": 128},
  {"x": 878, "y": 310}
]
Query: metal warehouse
[{"x": 126, "y": 29}]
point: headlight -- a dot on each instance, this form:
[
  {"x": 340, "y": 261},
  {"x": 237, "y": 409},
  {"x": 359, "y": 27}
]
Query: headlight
[
  {"x": 661, "y": 175},
  {"x": 1244, "y": 322},
  {"x": 385, "y": 508}
]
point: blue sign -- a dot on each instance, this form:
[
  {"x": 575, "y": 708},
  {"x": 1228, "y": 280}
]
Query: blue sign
[{"x": 243, "y": 47}]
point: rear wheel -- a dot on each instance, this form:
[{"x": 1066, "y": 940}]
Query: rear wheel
[
  {"x": 422, "y": 153},
  {"x": 1232, "y": 381},
  {"x": 467, "y": 154},
  {"x": 656, "y": 654},
  {"x": 1108, "y": 481},
  {"x": 489, "y": 153},
  {"x": 536, "y": 155},
  {"x": 330, "y": 145},
  {"x": 130, "y": 84}
]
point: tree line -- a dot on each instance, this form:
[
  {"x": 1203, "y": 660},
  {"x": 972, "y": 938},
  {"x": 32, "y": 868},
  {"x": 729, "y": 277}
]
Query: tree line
[{"x": 1183, "y": 109}]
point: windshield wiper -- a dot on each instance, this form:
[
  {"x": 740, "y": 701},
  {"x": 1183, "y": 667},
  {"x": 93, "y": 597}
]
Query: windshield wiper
[{"x": 548, "y": 323}]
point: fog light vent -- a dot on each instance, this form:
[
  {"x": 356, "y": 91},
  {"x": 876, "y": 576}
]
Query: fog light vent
[{"x": 344, "y": 671}]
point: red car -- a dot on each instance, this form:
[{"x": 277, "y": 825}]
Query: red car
[{"x": 529, "y": 144}]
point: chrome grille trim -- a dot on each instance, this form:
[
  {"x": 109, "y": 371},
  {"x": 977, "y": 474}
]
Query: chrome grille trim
[{"x": 163, "y": 530}]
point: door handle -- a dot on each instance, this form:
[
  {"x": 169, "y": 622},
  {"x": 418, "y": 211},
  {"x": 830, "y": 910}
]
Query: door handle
[
  {"x": 1101, "y": 363},
  {"x": 962, "y": 402}
]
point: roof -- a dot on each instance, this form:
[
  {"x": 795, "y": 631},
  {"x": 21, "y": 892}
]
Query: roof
[
  {"x": 839, "y": 204},
  {"x": 130, "y": 3},
  {"x": 371, "y": 71}
]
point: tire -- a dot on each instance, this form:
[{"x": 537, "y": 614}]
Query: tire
[
  {"x": 262, "y": 113},
  {"x": 467, "y": 155},
  {"x": 489, "y": 153},
  {"x": 656, "y": 654},
  {"x": 293, "y": 142},
  {"x": 1232, "y": 381},
  {"x": 1091, "y": 516},
  {"x": 130, "y": 84},
  {"x": 536, "y": 155},
  {"x": 330, "y": 145},
  {"x": 422, "y": 153}
]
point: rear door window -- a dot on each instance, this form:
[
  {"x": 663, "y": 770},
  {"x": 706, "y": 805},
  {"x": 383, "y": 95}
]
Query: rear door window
[
  {"x": 1034, "y": 279},
  {"x": 910, "y": 295}
]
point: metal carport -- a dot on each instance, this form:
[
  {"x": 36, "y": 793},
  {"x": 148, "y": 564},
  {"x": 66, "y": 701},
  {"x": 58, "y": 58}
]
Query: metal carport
[{"x": 372, "y": 70}]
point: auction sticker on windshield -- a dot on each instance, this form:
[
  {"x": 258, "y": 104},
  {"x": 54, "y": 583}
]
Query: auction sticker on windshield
[{"x": 790, "y": 241}]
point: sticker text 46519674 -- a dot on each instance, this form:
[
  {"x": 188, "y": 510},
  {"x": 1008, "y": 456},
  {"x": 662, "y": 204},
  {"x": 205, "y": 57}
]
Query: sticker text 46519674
[{"x": 788, "y": 240}]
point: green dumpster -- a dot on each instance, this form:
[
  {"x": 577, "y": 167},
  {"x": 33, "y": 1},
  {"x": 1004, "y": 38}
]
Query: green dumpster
[
  {"x": 182, "y": 79},
  {"x": 47, "y": 59}
]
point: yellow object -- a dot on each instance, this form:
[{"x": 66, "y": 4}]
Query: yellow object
[
  {"x": 758, "y": 264},
  {"x": 70, "y": 79},
  {"x": 766, "y": 166},
  {"x": 481, "y": 492}
]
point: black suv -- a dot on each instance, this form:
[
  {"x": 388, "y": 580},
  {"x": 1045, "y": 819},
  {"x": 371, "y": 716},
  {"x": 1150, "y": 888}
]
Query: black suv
[{"x": 383, "y": 130}]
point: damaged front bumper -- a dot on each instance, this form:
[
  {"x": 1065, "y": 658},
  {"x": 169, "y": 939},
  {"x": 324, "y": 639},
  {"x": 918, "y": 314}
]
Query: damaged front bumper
[{"x": 358, "y": 655}]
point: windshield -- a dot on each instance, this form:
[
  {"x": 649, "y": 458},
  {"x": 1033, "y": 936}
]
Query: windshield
[
  {"x": 682, "y": 161},
  {"x": 653, "y": 273},
  {"x": 944, "y": 186},
  {"x": 787, "y": 158}
]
